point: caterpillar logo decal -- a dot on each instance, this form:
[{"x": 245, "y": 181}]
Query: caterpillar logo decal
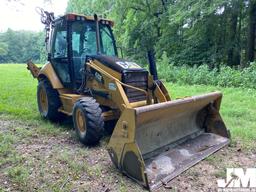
[{"x": 128, "y": 65}]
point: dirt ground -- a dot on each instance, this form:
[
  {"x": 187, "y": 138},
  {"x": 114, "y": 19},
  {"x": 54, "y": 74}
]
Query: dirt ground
[{"x": 58, "y": 162}]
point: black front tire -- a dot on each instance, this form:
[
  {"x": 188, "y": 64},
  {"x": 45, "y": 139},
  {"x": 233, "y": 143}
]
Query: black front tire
[
  {"x": 48, "y": 101},
  {"x": 88, "y": 121}
]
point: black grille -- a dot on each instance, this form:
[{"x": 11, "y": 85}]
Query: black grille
[{"x": 137, "y": 79}]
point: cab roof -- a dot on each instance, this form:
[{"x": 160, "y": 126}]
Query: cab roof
[{"x": 80, "y": 17}]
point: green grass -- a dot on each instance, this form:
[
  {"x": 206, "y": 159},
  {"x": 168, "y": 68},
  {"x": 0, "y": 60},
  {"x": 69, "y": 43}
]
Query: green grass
[
  {"x": 18, "y": 100},
  {"x": 18, "y": 92},
  {"x": 238, "y": 108}
]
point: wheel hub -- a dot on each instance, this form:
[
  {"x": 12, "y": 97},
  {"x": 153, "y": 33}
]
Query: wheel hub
[
  {"x": 80, "y": 120},
  {"x": 43, "y": 100}
]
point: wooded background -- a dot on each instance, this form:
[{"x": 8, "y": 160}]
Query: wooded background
[{"x": 191, "y": 32}]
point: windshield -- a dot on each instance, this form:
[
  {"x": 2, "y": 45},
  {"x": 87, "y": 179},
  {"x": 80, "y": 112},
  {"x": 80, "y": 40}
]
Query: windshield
[
  {"x": 84, "y": 39},
  {"x": 84, "y": 43}
]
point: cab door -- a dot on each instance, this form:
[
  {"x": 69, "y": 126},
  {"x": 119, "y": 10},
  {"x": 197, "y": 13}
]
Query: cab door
[
  {"x": 83, "y": 41},
  {"x": 59, "y": 53}
]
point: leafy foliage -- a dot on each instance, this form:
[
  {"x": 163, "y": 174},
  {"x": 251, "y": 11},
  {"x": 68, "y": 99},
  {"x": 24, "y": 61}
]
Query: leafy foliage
[
  {"x": 19, "y": 46},
  {"x": 223, "y": 76},
  {"x": 192, "y": 32},
  {"x": 3, "y": 48}
]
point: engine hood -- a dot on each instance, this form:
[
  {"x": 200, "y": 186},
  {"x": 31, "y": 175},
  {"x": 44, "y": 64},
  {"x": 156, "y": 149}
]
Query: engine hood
[{"x": 117, "y": 64}]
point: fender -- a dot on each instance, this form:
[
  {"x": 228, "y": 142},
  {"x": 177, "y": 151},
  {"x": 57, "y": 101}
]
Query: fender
[{"x": 48, "y": 71}]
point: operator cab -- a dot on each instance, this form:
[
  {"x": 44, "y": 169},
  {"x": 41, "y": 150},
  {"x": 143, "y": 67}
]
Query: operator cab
[{"x": 73, "y": 38}]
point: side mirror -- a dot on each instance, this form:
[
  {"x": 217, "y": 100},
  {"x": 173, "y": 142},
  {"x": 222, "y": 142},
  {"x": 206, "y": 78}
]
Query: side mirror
[{"x": 120, "y": 52}]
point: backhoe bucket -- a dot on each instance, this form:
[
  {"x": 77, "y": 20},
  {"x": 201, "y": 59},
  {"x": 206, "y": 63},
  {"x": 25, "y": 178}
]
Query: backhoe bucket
[{"x": 155, "y": 143}]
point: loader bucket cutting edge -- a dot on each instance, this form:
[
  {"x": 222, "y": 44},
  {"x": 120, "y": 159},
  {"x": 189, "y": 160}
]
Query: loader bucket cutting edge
[{"x": 165, "y": 139}]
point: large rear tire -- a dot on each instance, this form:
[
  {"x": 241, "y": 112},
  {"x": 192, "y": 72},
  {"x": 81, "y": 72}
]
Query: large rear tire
[
  {"x": 88, "y": 121},
  {"x": 48, "y": 101}
]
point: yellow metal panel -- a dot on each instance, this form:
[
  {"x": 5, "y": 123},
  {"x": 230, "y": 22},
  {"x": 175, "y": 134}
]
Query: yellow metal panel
[
  {"x": 107, "y": 69},
  {"x": 68, "y": 101},
  {"x": 92, "y": 18},
  {"x": 123, "y": 133},
  {"x": 49, "y": 72},
  {"x": 133, "y": 165},
  {"x": 138, "y": 104},
  {"x": 159, "y": 95},
  {"x": 112, "y": 84}
]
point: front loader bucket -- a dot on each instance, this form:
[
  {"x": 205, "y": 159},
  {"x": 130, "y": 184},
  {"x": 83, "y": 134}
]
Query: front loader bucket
[{"x": 155, "y": 143}]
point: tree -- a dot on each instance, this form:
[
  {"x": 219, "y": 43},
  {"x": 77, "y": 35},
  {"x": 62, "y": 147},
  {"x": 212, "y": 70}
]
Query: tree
[
  {"x": 251, "y": 31},
  {"x": 3, "y": 49},
  {"x": 191, "y": 32},
  {"x": 19, "y": 46}
]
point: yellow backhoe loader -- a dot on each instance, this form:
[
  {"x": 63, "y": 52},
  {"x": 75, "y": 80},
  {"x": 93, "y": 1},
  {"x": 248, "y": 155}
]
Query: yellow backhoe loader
[{"x": 154, "y": 138}]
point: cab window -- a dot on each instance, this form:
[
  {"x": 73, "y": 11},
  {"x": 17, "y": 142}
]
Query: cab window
[
  {"x": 60, "y": 44},
  {"x": 59, "y": 53},
  {"x": 108, "y": 47}
]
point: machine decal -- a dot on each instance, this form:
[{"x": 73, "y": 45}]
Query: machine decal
[
  {"x": 112, "y": 86},
  {"x": 128, "y": 65},
  {"x": 98, "y": 77}
]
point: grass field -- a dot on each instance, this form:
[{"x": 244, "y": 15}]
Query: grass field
[
  {"x": 18, "y": 100},
  {"x": 18, "y": 113}
]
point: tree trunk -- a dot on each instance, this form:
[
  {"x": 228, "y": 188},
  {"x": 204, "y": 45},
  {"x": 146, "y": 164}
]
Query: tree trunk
[
  {"x": 237, "y": 51},
  {"x": 251, "y": 31},
  {"x": 239, "y": 39},
  {"x": 232, "y": 51}
]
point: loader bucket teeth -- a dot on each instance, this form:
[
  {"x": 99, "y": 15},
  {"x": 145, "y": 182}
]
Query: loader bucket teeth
[{"x": 153, "y": 144}]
